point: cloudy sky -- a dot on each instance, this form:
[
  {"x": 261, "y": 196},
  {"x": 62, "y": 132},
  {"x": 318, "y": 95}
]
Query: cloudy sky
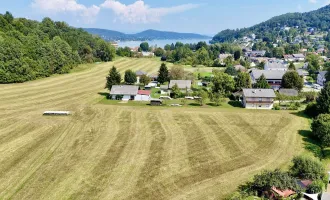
[{"x": 198, "y": 16}]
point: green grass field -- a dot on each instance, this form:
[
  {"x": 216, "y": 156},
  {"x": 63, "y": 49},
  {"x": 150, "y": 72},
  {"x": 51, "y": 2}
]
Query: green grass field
[{"x": 107, "y": 151}]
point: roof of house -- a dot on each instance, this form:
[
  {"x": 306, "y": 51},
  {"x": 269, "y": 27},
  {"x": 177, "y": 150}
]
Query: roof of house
[
  {"x": 153, "y": 76},
  {"x": 289, "y": 92},
  {"x": 182, "y": 84},
  {"x": 304, "y": 183},
  {"x": 144, "y": 92},
  {"x": 164, "y": 87},
  {"x": 124, "y": 90},
  {"x": 302, "y": 72},
  {"x": 140, "y": 73},
  {"x": 268, "y": 93},
  {"x": 269, "y": 74},
  {"x": 223, "y": 56},
  {"x": 298, "y": 55},
  {"x": 275, "y": 65},
  {"x": 323, "y": 73},
  {"x": 286, "y": 193}
]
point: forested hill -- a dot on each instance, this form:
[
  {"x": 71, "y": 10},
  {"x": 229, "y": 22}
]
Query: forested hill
[
  {"x": 145, "y": 35},
  {"x": 318, "y": 19},
  {"x": 31, "y": 49}
]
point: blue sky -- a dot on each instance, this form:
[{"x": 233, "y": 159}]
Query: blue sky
[{"x": 130, "y": 16}]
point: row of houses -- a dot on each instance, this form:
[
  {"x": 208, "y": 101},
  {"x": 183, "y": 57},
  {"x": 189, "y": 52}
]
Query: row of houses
[{"x": 132, "y": 92}]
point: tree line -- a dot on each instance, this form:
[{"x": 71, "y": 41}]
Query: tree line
[{"x": 31, "y": 49}]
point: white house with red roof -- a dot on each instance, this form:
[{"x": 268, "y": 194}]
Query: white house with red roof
[{"x": 143, "y": 95}]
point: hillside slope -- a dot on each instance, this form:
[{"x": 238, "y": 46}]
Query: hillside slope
[
  {"x": 144, "y": 35},
  {"x": 318, "y": 19},
  {"x": 31, "y": 49}
]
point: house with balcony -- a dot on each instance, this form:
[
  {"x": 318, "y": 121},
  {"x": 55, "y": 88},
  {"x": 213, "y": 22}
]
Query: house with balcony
[
  {"x": 273, "y": 77},
  {"x": 258, "y": 98}
]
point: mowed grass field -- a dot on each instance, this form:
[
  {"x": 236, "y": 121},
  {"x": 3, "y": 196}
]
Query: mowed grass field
[{"x": 123, "y": 152}]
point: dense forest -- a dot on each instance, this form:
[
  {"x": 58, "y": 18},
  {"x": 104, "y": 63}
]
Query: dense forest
[
  {"x": 318, "y": 19},
  {"x": 31, "y": 49}
]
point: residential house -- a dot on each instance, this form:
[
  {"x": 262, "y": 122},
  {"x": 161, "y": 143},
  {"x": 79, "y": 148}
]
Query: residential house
[
  {"x": 255, "y": 53},
  {"x": 124, "y": 92},
  {"x": 258, "y": 98},
  {"x": 134, "y": 49},
  {"x": 148, "y": 54},
  {"x": 143, "y": 95},
  {"x": 289, "y": 58},
  {"x": 299, "y": 57},
  {"x": 273, "y": 77},
  {"x": 275, "y": 65},
  {"x": 182, "y": 84},
  {"x": 321, "y": 78},
  {"x": 139, "y": 73}
]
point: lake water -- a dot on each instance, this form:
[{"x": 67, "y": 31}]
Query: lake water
[{"x": 160, "y": 43}]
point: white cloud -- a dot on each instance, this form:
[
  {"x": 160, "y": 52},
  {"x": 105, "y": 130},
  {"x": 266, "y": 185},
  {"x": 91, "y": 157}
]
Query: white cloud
[
  {"x": 72, "y": 6},
  {"x": 312, "y": 1},
  {"x": 139, "y": 12}
]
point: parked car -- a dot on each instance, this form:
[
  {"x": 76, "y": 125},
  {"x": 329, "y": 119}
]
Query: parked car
[{"x": 165, "y": 97}]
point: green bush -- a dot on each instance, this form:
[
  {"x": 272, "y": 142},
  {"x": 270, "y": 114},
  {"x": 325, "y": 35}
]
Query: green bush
[
  {"x": 315, "y": 187},
  {"x": 277, "y": 107},
  {"x": 305, "y": 167},
  {"x": 311, "y": 110}
]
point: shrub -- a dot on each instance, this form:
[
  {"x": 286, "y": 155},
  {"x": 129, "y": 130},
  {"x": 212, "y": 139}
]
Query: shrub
[
  {"x": 311, "y": 110},
  {"x": 305, "y": 167},
  {"x": 315, "y": 187},
  {"x": 277, "y": 107}
]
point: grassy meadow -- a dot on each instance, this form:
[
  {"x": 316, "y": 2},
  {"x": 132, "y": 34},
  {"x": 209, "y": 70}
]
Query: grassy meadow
[{"x": 110, "y": 151}]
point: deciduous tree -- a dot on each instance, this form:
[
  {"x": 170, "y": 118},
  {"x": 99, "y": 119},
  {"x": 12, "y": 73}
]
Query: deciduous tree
[
  {"x": 291, "y": 79},
  {"x": 130, "y": 77}
]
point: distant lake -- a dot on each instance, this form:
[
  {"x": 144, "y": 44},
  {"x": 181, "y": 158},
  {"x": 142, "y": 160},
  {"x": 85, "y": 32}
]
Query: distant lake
[{"x": 160, "y": 43}]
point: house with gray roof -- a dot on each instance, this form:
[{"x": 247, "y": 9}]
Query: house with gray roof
[
  {"x": 275, "y": 65},
  {"x": 273, "y": 77},
  {"x": 183, "y": 85},
  {"x": 258, "y": 98},
  {"x": 321, "y": 78},
  {"x": 124, "y": 92},
  {"x": 138, "y": 74}
]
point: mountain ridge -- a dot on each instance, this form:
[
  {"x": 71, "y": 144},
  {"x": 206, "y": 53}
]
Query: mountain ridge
[{"x": 149, "y": 34}]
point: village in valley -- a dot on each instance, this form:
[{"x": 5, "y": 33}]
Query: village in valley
[{"x": 242, "y": 115}]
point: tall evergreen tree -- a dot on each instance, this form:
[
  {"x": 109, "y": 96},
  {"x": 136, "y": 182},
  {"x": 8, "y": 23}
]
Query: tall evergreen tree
[
  {"x": 262, "y": 83},
  {"x": 163, "y": 74},
  {"x": 323, "y": 102},
  {"x": 114, "y": 78}
]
